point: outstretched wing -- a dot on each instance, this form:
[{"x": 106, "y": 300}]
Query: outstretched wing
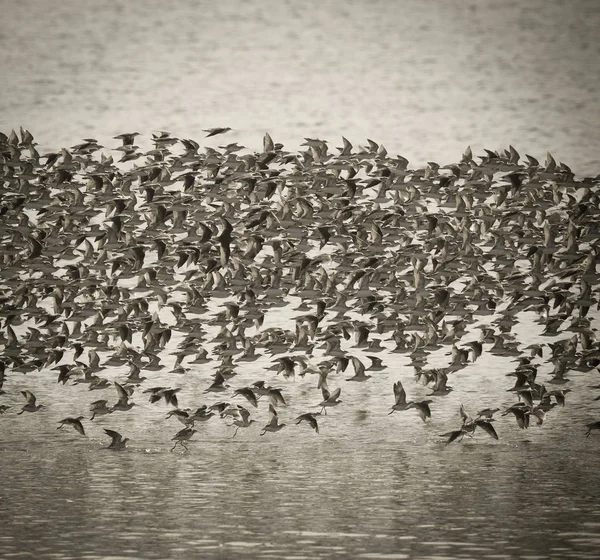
[
  {"x": 399, "y": 393},
  {"x": 487, "y": 427}
]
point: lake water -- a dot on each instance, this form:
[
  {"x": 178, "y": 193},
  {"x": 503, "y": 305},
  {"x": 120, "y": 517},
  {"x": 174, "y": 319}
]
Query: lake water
[{"x": 424, "y": 78}]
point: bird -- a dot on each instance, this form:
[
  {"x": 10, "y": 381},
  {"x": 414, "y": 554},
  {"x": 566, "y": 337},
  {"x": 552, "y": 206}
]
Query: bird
[
  {"x": 310, "y": 418},
  {"x": 218, "y": 385},
  {"x": 75, "y": 422},
  {"x": 182, "y": 415},
  {"x": 487, "y": 412},
  {"x": 244, "y": 421},
  {"x": 592, "y": 426},
  {"x": 127, "y": 138},
  {"x": 422, "y": 408},
  {"x": 215, "y": 131},
  {"x": 456, "y": 435},
  {"x": 400, "y": 396},
  {"x": 99, "y": 408},
  {"x": 169, "y": 394},
  {"x": 181, "y": 437},
  {"x": 486, "y": 426},
  {"x": 273, "y": 425},
  {"x": 123, "y": 394},
  {"x": 521, "y": 414},
  {"x": 376, "y": 364},
  {"x": 118, "y": 441},
  {"x": 329, "y": 399},
  {"x": 248, "y": 394},
  {"x": 440, "y": 387},
  {"x": 359, "y": 370},
  {"x": 30, "y": 406}
]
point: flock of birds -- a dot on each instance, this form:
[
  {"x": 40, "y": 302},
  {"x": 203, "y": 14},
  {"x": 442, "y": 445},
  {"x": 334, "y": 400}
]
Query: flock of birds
[{"x": 129, "y": 260}]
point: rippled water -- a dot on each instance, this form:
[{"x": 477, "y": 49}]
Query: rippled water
[
  {"x": 424, "y": 78},
  {"x": 369, "y": 485},
  {"x": 380, "y": 497}
]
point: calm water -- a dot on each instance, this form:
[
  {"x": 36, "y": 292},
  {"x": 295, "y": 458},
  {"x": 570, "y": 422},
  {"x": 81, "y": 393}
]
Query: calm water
[{"x": 424, "y": 78}]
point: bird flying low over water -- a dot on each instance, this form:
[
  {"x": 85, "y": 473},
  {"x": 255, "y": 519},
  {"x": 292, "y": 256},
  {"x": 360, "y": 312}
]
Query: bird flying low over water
[
  {"x": 400, "y": 396},
  {"x": 591, "y": 427},
  {"x": 422, "y": 408},
  {"x": 469, "y": 425},
  {"x": 31, "y": 405},
  {"x": 273, "y": 425},
  {"x": 181, "y": 437},
  {"x": 244, "y": 421},
  {"x": 310, "y": 418},
  {"x": 75, "y": 422},
  {"x": 118, "y": 441},
  {"x": 329, "y": 399}
]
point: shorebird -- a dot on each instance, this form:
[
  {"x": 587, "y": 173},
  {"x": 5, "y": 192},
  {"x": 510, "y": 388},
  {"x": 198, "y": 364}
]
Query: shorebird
[
  {"x": 244, "y": 421},
  {"x": 169, "y": 394},
  {"x": 400, "y": 396},
  {"x": 273, "y": 425},
  {"x": 127, "y": 138},
  {"x": 248, "y": 394},
  {"x": 75, "y": 422},
  {"x": 202, "y": 413},
  {"x": 218, "y": 385},
  {"x": 181, "y": 437},
  {"x": 422, "y": 408},
  {"x": 521, "y": 414},
  {"x": 123, "y": 394},
  {"x": 30, "y": 406},
  {"x": 440, "y": 387},
  {"x": 487, "y": 412},
  {"x": 329, "y": 399},
  {"x": 215, "y": 131},
  {"x": 274, "y": 395},
  {"x": 99, "y": 408},
  {"x": 359, "y": 370},
  {"x": 592, "y": 426},
  {"x": 310, "y": 418},
  {"x": 376, "y": 364},
  {"x": 118, "y": 441},
  {"x": 182, "y": 415}
]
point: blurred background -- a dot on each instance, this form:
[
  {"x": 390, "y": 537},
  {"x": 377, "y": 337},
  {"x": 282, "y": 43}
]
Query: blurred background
[{"x": 426, "y": 78}]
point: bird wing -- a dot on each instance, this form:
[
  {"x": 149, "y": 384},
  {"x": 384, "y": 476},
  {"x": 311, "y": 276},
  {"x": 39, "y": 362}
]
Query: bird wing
[
  {"x": 121, "y": 392},
  {"x": 453, "y": 436},
  {"x": 335, "y": 395},
  {"x": 487, "y": 427},
  {"x": 399, "y": 393},
  {"x": 359, "y": 367},
  {"x": 465, "y": 416},
  {"x": 116, "y": 436}
]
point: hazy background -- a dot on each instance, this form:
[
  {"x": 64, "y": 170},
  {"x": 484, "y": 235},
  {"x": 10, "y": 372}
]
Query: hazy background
[{"x": 425, "y": 78}]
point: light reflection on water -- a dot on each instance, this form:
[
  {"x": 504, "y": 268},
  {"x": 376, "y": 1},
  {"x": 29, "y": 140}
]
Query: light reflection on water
[
  {"x": 426, "y": 79},
  {"x": 327, "y": 497},
  {"x": 369, "y": 485}
]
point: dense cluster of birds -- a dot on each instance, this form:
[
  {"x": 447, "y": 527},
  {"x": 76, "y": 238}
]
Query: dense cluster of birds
[{"x": 181, "y": 251}]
